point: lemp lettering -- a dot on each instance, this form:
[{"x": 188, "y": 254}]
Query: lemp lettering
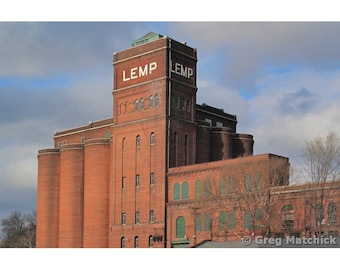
[
  {"x": 139, "y": 71},
  {"x": 183, "y": 70}
]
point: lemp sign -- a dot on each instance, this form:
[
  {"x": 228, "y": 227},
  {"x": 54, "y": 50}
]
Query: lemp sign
[
  {"x": 140, "y": 71},
  {"x": 147, "y": 69}
]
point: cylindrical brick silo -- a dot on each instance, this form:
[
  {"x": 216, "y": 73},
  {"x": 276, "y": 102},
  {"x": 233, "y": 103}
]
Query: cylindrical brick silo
[
  {"x": 48, "y": 199},
  {"x": 243, "y": 145},
  {"x": 71, "y": 195},
  {"x": 221, "y": 143},
  {"x": 203, "y": 143},
  {"x": 96, "y": 193}
]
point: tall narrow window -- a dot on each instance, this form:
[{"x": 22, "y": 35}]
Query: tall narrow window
[
  {"x": 152, "y": 178},
  {"x": 257, "y": 181},
  {"x": 152, "y": 138},
  {"x": 141, "y": 104},
  {"x": 198, "y": 188},
  {"x": 320, "y": 214},
  {"x": 332, "y": 213},
  {"x": 123, "y": 181},
  {"x": 207, "y": 188},
  {"x": 136, "y": 242},
  {"x": 180, "y": 227},
  {"x": 150, "y": 241},
  {"x": 231, "y": 185},
  {"x": 247, "y": 183},
  {"x": 176, "y": 191},
  {"x": 122, "y": 242},
  {"x": 186, "y": 143},
  {"x": 198, "y": 222},
  {"x": 247, "y": 219},
  {"x": 137, "y": 180},
  {"x": 287, "y": 217},
  {"x": 150, "y": 101},
  {"x": 222, "y": 221},
  {"x": 138, "y": 141},
  {"x": 232, "y": 220},
  {"x": 207, "y": 222},
  {"x": 123, "y": 143},
  {"x": 152, "y": 216},
  {"x": 156, "y": 100},
  {"x": 175, "y": 138},
  {"x": 185, "y": 190},
  {"x": 136, "y": 105},
  {"x": 137, "y": 217},
  {"x": 222, "y": 186},
  {"x": 123, "y": 218}
]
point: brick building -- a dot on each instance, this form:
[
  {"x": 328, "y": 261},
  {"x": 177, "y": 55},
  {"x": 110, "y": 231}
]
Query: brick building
[{"x": 150, "y": 175}]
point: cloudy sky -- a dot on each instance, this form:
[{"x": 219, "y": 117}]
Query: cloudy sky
[{"x": 281, "y": 79}]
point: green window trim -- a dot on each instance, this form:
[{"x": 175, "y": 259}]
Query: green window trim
[
  {"x": 247, "y": 219},
  {"x": 198, "y": 188},
  {"x": 185, "y": 188},
  {"x": 222, "y": 221},
  {"x": 180, "y": 227},
  {"x": 231, "y": 185},
  {"x": 247, "y": 183},
  {"x": 223, "y": 186},
  {"x": 198, "y": 222},
  {"x": 176, "y": 191},
  {"x": 232, "y": 220}
]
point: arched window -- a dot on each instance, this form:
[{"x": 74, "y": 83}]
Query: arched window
[
  {"x": 222, "y": 186},
  {"x": 185, "y": 190},
  {"x": 156, "y": 100},
  {"x": 247, "y": 219},
  {"x": 198, "y": 222},
  {"x": 207, "y": 188},
  {"x": 222, "y": 221},
  {"x": 176, "y": 191},
  {"x": 207, "y": 222},
  {"x": 232, "y": 220},
  {"x": 122, "y": 242},
  {"x": 198, "y": 188},
  {"x": 150, "y": 241},
  {"x": 332, "y": 213},
  {"x": 150, "y": 101},
  {"x": 123, "y": 143},
  {"x": 141, "y": 103},
  {"x": 180, "y": 227},
  {"x": 138, "y": 141},
  {"x": 136, "y": 105},
  {"x": 136, "y": 242},
  {"x": 247, "y": 183},
  {"x": 287, "y": 217},
  {"x": 152, "y": 138},
  {"x": 231, "y": 185},
  {"x": 258, "y": 181}
]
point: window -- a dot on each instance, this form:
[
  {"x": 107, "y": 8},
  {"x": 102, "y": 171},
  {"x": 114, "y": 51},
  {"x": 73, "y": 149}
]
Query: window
[
  {"x": 222, "y": 186},
  {"x": 186, "y": 140},
  {"x": 185, "y": 190},
  {"x": 137, "y": 180},
  {"x": 82, "y": 140},
  {"x": 332, "y": 213},
  {"x": 258, "y": 216},
  {"x": 123, "y": 181},
  {"x": 152, "y": 216},
  {"x": 231, "y": 185},
  {"x": 107, "y": 135},
  {"x": 209, "y": 121},
  {"x": 320, "y": 216},
  {"x": 222, "y": 221},
  {"x": 176, "y": 191},
  {"x": 247, "y": 183},
  {"x": 137, "y": 217},
  {"x": 136, "y": 242},
  {"x": 231, "y": 220},
  {"x": 287, "y": 217},
  {"x": 123, "y": 218},
  {"x": 150, "y": 101},
  {"x": 136, "y": 105},
  {"x": 207, "y": 222},
  {"x": 198, "y": 222},
  {"x": 207, "y": 188},
  {"x": 123, "y": 143},
  {"x": 219, "y": 124},
  {"x": 156, "y": 100},
  {"x": 180, "y": 227},
  {"x": 152, "y": 178},
  {"x": 141, "y": 104},
  {"x": 122, "y": 242},
  {"x": 150, "y": 241},
  {"x": 175, "y": 138},
  {"x": 138, "y": 141},
  {"x": 198, "y": 188},
  {"x": 152, "y": 138},
  {"x": 258, "y": 181},
  {"x": 247, "y": 219}
]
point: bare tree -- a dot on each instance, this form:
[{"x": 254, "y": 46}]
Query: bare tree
[
  {"x": 321, "y": 158},
  {"x": 19, "y": 230}
]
